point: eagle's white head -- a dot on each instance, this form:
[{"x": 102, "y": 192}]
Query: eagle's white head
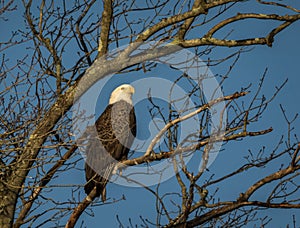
[{"x": 123, "y": 92}]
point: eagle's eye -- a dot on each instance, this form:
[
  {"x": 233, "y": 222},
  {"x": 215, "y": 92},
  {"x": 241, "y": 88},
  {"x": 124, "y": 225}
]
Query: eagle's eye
[{"x": 122, "y": 88}]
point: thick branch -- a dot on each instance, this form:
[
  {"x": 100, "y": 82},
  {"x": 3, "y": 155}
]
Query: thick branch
[
  {"x": 268, "y": 179},
  {"x": 267, "y": 40},
  {"x": 243, "y": 16},
  {"x": 187, "y": 23},
  {"x": 170, "y": 21},
  {"x": 168, "y": 154},
  {"x": 105, "y": 28},
  {"x": 80, "y": 208}
]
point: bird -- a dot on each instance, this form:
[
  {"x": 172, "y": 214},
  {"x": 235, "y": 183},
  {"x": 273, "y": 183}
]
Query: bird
[{"x": 114, "y": 134}]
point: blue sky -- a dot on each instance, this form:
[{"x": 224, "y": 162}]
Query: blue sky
[{"x": 282, "y": 61}]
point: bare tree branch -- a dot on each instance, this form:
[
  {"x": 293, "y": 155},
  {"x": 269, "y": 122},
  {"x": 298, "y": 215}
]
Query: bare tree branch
[{"x": 105, "y": 28}]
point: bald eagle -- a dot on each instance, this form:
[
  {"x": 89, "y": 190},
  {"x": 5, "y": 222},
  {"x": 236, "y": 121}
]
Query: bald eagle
[{"x": 115, "y": 132}]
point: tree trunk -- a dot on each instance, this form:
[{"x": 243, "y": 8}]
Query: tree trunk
[{"x": 8, "y": 200}]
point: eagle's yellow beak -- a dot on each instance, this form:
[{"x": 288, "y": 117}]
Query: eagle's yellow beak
[{"x": 132, "y": 90}]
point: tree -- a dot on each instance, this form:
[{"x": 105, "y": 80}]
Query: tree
[{"x": 65, "y": 48}]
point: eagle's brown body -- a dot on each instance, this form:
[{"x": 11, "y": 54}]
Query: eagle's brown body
[{"x": 116, "y": 129}]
